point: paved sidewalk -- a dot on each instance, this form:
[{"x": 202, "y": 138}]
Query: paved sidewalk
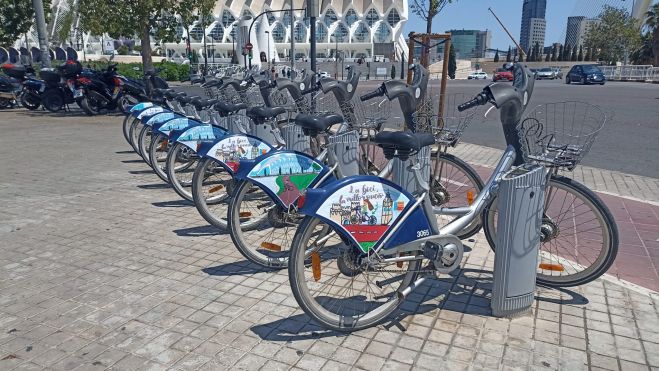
[{"x": 103, "y": 267}]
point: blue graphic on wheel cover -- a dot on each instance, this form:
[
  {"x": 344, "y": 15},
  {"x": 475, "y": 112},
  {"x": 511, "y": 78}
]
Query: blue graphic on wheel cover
[
  {"x": 193, "y": 136},
  {"x": 175, "y": 124},
  {"x": 230, "y": 150}
]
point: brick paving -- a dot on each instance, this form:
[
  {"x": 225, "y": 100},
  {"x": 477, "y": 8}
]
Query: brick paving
[{"x": 103, "y": 267}]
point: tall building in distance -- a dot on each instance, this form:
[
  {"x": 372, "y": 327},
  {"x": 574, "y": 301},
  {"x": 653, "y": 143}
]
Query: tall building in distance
[
  {"x": 533, "y": 24},
  {"x": 577, "y": 30},
  {"x": 468, "y": 44}
]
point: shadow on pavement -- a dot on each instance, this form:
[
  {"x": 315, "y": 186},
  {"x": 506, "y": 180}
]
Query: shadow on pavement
[
  {"x": 139, "y": 172},
  {"x": 175, "y": 203},
  {"x": 466, "y": 291},
  {"x": 243, "y": 267},
  {"x": 125, "y": 152},
  {"x": 136, "y": 161},
  {"x": 154, "y": 186},
  {"x": 200, "y": 231}
]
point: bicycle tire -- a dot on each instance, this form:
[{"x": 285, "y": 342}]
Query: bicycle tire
[
  {"x": 213, "y": 208},
  {"x": 238, "y": 226},
  {"x": 475, "y": 185},
  {"x": 605, "y": 258},
  {"x": 157, "y": 147},
  {"x": 296, "y": 273},
  {"x": 175, "y": 173},
  {"x": 134, "y": 135},
  {"x": 144, "y": 143},
  {"x": 128, "y": 121}
]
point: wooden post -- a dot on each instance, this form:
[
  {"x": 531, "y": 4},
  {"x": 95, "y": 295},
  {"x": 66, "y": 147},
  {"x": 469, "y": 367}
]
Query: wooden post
[
  {"x": 410, "y": 55},
  {"x": 442, "y": 89}
]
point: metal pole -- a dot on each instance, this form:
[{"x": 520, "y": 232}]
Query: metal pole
[
  {"x": 336, "y": 57},
  {"x": 402, "y": 65},
  {"x": 442, "y": 89},
  {"x": 312, "y": 39},
  {"x": 41, "y": 31},
  {"x": 203, "y": 27},
  {"x": 410, "y": 58},
  {"x": 292, "y": 38},
  {"x": 268, "y": 36}
]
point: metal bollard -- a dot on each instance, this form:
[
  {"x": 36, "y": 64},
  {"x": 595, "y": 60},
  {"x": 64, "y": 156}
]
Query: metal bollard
[
  {"x": 345, "y": 148},
  {"x": 295, "y": 139},
  {"x": 520, "y": 202}
]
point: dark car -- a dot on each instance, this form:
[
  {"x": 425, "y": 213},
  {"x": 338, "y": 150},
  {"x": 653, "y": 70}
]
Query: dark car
[{"x": 585, "y": 74}]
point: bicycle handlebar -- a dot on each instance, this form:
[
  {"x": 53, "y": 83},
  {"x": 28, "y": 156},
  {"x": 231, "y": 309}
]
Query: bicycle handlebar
[
  {"x": 479, "y": 100},
  {"x": 376, "y": 93}
]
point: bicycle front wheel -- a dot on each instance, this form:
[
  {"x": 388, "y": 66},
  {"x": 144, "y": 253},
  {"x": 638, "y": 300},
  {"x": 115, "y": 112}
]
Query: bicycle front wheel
[
  {"x": 454, "y": 184},
  {"x": 333, "y": 286},
  {"x": 579, "y": 237},
  {"x": 128, "y": 122},
  {"x": 144, "y": 143},
  {"x": 134, "y": 135},
  {"x": 211, "y": 189},
  {"x": 261, "y": 229},
  {"x": 158, "y": 150},
  {"x": 180, "y": 166}
]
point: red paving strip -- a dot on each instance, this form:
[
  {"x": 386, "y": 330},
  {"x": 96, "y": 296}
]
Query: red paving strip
[{"x": 638, "y": 229}]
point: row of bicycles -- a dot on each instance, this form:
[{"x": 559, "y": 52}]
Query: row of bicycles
[{"x": 308, "y": 175}]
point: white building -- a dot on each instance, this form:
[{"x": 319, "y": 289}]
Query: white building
[
  {"x": 577, "y": 30},
  {"x": 536, "y": 34},
  {"x": 358, "y": 28}
]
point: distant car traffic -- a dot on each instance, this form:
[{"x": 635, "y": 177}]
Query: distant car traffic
[
  {"x": 502, "y": 74},
  {"x": 585, "y": 74},
  {"x": 558, "y": 72},
  {"x": 324, "y": 75},
  {"x": 545, "y": 73},
  {"x": 478, "y": 76}
]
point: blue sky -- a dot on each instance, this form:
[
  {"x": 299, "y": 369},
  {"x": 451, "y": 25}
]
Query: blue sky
[{"x": 473, "y": 14}]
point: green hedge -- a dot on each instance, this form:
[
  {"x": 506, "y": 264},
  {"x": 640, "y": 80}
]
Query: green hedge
[{"x": 169, "y": 71}]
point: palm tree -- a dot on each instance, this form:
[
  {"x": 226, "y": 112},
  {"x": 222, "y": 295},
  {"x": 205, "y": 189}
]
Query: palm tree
[{"x": 652, "y": 24}]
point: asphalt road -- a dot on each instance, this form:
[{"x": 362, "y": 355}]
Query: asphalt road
[{"x": 629, "y": 142}]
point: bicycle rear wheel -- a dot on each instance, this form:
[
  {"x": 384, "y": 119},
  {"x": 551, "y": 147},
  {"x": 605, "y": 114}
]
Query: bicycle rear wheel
[
  {"x": 144, "y": 143},
  {"x": 128, "y": 121},
  {"x": 134, "y": 135},
  {"x": 211, "y": 188},
  {"x": 334, "y": 289},
  {"x": 579, "y": 237},
  {"x": 180, "y": 166}
]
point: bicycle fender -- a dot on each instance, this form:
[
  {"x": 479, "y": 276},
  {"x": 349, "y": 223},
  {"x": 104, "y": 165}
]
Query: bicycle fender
[
  {"x": 230, "y": 150},
  {"x": 364, "y": 209},
  {"x": 284, "y": 175},
  {"x": 159, "y": 118},
  {"x": 192, "y": 136},
  {"x": 140, "y": 106},
  {"x": 149, "y": 112},
  {"x": 174, "y": 124}
]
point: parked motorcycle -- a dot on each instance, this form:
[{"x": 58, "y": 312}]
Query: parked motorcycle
[
  {"x": 30, "y": 93},
  {"x": 60, "y": 85},
  {"x": 99, "y": 90}
]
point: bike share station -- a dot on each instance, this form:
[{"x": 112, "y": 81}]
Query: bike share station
[{"x": 521, "y": 193}]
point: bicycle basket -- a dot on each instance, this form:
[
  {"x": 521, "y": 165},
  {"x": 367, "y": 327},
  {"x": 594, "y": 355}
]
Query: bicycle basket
[
  {"x": 252, "y": 96},
  {"x": 371, "y": 114},
  {"x": 447, "y": 126},
  {"x": 560, "y": 134}
]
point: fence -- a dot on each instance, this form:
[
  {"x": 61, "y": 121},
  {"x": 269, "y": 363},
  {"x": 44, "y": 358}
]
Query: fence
[{"x": 631, "y": 73}]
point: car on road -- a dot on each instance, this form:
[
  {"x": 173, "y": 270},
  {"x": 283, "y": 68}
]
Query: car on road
[
  {"x": 545, "y": 73},
  {"x": 558, "y": 72},
  {"x": 502, "y": 74},
  {"x": 585, "y": 74},
  {"x": 324, "y": 75},
  {"x": 478, "y": 76}
]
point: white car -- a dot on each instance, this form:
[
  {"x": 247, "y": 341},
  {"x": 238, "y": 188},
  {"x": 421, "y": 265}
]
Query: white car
[
  {"x": 324, "y": 75},
  {"x": 478, "y": 76}
]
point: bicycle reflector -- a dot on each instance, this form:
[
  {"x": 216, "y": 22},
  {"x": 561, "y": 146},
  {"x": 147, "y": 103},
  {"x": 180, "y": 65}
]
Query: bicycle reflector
[
  {"x": 270, "y": 246},
  {"x": 551, "y": 267},
  {"x": 315, "y": 265},
  {"x": 216, "y": 188},
  {"x": 470, "y": 196},
  {"x": 163, "y": 145},
  {"x": 300, "y": 200},
  {"x": 244, "y": 214}
]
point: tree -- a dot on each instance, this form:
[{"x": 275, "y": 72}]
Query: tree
[
  {"x": 537, "y": 53},
  {"x": 554, "y": 51},
  {"x": 651, "y": 23},
  {"x": 548, "y": 57},
  {"x": 645, "y": 53},
  {"x": 452, "y": 65},
  {"x": 580, "y": 57},
  {"x": 616, "y": 35},
  {"x": 508, "y": 55},
  {"x": 142, "y": 18},
  {"x": 496, "y": 56},
  {"x": 531, "y": 57},
  {"x": 16, "y": 18},
  {"x": 589, "y": 55},
  {"x": 559, "y": 57},
  {"x": 393, "y": 72},
  {"x": 567, "y": 52},
  {"x": 574, "y": 56},
  {"x": 427, "y": 10}
]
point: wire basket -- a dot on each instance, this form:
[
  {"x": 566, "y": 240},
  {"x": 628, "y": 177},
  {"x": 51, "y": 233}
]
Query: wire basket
[
  {"x": 252, "y": 96},
  {"x": 371, "y": 114},
  {"x": 448, "y": 126},
  {"x": 560, "y": 134}
]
